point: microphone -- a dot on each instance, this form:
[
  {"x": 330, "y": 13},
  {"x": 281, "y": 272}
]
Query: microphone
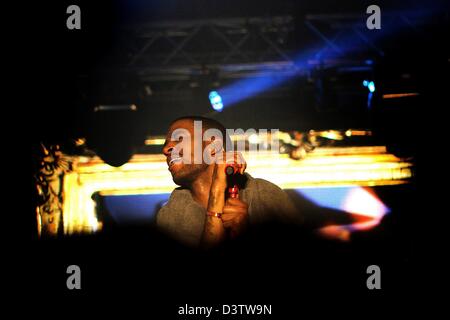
[
  {"x": 231, "y": 169},
  {"x": 232, "y": 172}
]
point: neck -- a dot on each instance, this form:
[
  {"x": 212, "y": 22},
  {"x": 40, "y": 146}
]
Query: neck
[{"x": 201, "y": 186}]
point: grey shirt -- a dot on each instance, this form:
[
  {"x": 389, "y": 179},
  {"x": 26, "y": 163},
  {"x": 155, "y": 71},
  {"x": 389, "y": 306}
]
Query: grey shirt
[{"x": 183, "y": 218}]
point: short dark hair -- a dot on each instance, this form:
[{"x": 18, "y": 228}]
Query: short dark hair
[{"x": 208, "y": 123}]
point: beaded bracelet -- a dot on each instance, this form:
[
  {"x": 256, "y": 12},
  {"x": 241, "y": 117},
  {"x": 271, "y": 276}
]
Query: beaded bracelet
[{"x": 214, "y": 214}]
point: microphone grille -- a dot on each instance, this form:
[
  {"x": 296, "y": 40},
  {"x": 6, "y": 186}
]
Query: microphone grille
[{"x": 229, "y": 170}]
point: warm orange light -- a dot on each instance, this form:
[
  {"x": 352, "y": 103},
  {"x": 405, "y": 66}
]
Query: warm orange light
[
  {"x": 363, "y": 203},
  {"x": 155, "y": 141},
  {"x": 399, "y": 95}
]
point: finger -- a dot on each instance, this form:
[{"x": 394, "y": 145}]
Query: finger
[
  {"x": 232, "y": 211},
  {"x": 233, "y": 208},
  {"x": 241, "y": 161},
  {"x": 238, "y": 209},
  {"x": 233, "y": 219},
  {"x": 236, "y": 216},
  {"x": 243, "y": 167},
  {"x": 228, "y": 217},
  {"x": 231, "y": 205},
  {"x": 239, "y": 158},
  {"x": 227, "y": 224},
  {"x": 235, "y": 202}
]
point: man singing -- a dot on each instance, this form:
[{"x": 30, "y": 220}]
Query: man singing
[{"x": 198, "y": 212}]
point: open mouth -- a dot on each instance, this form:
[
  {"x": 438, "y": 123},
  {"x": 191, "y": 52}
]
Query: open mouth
[{"x": 175, "y": 160}]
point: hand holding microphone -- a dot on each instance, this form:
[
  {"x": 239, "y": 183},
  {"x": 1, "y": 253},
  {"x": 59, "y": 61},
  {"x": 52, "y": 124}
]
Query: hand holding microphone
[
  {"x": 234, "y": 163},
  {"x": 235, "y": 211},
  {"x": 235, "y": 167},
  {"x": 230, "y": 216}
]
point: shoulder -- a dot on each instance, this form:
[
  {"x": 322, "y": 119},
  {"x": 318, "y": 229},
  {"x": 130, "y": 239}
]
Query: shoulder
[
  {"x": 177, "y": 200},
  {"x": 263, "y": 187},
  {"x": 178, "y": 197},
  {"x": 266, "y": 199}
]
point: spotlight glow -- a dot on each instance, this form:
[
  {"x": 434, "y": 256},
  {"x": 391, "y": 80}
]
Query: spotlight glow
[
  {"x": 216, "y": 101},
  {"x": 354, "y": 200},
  {"x": 370, "y": 85},
  {"x": 363, "y": 202}
]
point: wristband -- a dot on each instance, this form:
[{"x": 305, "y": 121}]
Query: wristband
[{"x": 214, "y": 214}]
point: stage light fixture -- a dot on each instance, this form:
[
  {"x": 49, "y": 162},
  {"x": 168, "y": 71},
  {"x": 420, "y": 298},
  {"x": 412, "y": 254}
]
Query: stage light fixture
[
  {"x": 216, "y": 101},
  {"x": 370, "y": 85}
]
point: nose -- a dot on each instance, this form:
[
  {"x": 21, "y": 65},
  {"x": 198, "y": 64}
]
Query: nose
[{"x": 167, "y": 149}]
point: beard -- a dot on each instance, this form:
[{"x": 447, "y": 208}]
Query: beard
[{"x": 188, "y": 173}]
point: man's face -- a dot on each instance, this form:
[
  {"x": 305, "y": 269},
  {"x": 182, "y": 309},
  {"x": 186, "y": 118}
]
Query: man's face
[{"x": 181, "y": 161}]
